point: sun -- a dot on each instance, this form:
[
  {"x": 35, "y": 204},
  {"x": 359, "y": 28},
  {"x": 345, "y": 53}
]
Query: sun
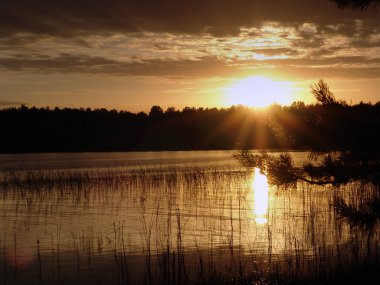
[{"x": 258, "y": 91}]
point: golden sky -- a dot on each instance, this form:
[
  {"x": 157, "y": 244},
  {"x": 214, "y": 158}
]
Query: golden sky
[{"x": 135, "y": 54}]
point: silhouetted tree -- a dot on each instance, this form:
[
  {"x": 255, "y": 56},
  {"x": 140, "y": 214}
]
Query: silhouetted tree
[
  {"x": 156, "y": 112},
  {"x": 356, "y": 4},
  {"x": 322, "y": 93},
  {"x": 170, "y": 110}
]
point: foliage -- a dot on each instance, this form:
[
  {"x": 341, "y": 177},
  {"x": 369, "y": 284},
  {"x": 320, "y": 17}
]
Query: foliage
[
  {"x": 322, "y": 93},
  {"x": 335, "y": 168},
  {"x": 322, "y": 127},
  {"x": 356, "y": 4},
  {"x": 365, "y": 215},
  {"x": 279, "y": 169}
]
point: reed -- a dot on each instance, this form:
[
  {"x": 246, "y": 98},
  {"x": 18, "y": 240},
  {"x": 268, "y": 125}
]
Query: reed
[{"x": 178, "y": 225}]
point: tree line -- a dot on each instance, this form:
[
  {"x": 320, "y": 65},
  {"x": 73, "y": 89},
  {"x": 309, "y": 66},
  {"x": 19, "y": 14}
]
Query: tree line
[{"x": 332, "y": 125}]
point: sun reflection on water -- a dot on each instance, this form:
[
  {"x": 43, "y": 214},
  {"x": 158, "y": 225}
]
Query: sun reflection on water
[{"x": 260, "y": 190}]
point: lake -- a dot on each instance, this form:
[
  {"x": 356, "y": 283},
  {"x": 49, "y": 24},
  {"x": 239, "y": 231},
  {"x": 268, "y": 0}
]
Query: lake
[{"x": 170, "y": 218}]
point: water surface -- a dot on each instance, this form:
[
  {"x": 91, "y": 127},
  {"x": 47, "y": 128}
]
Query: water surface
[{"x": 166, "y": 217}]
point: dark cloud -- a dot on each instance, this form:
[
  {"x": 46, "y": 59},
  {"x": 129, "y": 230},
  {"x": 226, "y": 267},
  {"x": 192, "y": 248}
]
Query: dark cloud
[
  {"x": 328, "y": 51},
  {"x": 276, "y": 51},
  {"x": 359, "y": 33},
  {"x": 350, "y": 66},
  {"x": 66, "y": 63},
  {"x": 308, "y": 29},
  {"x": 219, "y": 17},
  {"x": 354, "y": 33}
]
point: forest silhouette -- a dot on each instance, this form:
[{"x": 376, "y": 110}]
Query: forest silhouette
[{"x": 326, "y": 125}]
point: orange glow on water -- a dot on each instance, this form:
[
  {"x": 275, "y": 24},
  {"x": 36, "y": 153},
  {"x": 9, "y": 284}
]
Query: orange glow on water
[{"x": 260, "y": 190}]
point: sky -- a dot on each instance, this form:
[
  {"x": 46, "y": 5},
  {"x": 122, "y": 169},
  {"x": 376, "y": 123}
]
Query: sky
[{"x": 134, "y": 54}]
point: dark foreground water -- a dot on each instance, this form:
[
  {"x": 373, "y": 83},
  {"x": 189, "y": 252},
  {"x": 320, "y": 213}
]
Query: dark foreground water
[{"x": 173, "y": 218}]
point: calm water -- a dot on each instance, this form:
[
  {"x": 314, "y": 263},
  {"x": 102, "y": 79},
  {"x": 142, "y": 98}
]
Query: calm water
[{"x": 166, "y": 217}]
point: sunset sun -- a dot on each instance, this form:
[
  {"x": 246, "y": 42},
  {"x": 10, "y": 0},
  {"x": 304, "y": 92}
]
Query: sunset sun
[{"x": 258, "y": 91}]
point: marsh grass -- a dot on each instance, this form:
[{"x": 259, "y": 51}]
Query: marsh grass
[{"x": 176, "y": 225}]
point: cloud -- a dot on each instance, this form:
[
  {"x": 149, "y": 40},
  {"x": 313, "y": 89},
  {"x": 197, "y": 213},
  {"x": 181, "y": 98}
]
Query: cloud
[
  {"x": 219, "y": 17},
  {"x": 207, "y": 66},
  {"x": 185, "y": 38},
  {"x": 276, "y": 51},
  {"x": 66, "y": 63}
]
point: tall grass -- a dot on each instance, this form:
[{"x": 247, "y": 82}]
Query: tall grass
[{"x": 174, "y": 225}]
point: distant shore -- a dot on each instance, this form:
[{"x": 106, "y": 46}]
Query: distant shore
[{"x": 299, "y": 126}]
